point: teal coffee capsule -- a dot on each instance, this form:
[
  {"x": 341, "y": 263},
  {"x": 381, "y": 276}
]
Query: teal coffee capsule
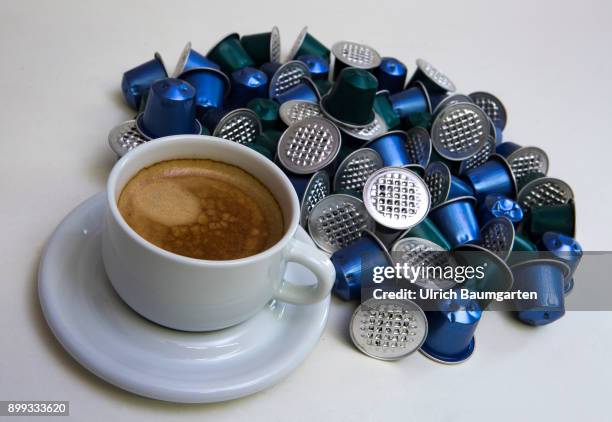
[
  {"x": 263, "y": 47},
  {"x": 230, "y": 55},
  {"x": 307, "y": 45},
  {"x": 351, "y": 100}
]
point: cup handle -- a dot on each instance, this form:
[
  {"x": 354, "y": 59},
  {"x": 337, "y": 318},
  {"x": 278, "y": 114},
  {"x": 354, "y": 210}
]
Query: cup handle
[{"x": 320, "y": 265}]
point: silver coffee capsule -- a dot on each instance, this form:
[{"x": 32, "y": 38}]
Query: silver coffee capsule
[
  {"x": 459, "y": 131},
  {"x": 438, "y": 179},
  {"x": 418, "y": 252},
  {"x": 480, "y": 157},
  {"x": 388, "y": 329},
  {"x": 497, "y": 235},
  {"x": 318, "y": 188},
  {"x": 287, "y": 76},
  {"x": 369, "y": 132},
  {"x": 295, "y": 110},
  {"x": 309, "y": 145},
  {"x": 241, "y": 125},
  {"x": 544, "y": 191},
  {"x": 396, "y": 198},
  {"x": 125, "y": 137},
  {"x": 352, "y": 54},
  {"x": 527, "y": 162},
  {"x": 418, "y": 146},
  {"x": 337, "y": 221},
  {"x": 435, "y": 76},
  {"x": 355, "y": 169},
  {"x": 492, "y": 106}
]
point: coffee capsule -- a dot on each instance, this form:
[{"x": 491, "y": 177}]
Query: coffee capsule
[
  {"x": 230, "y": 55},
  {"x": 544, "y": 191},
  {"x": 552, "y": 218},
  {"x": 355, "y": 55},
  {"x": 351, "y": 100},
  {"x": 396, "y": 198},
  {"x": 317, "y": 65},
  {"x": 459, "y": 131},
  {"x": 546, "y": 278},
  {"x": 497, "y": 235},
  {"x": 418, "y": 146},
  {"x": 434, "y": 80},
  {"x": 317, "y": 188},
  {"x": 355, "y": 265},
  {"x": 444, "y": 186},
  {"x": 492, "y": 106},
  {"x": 211, "y": 85},
  {"x": 295, "y": 110},
  {"x": 450, "y": 338},
  {"x": 479, "y": 158},
  {"x": 263, "y": 47},
  {"x": 240, "y": 125},
  {"x": 427, "y": 230},
  {"x": 137, "y": 81},
  {"x": 125, "y": 137},
  {"x": 323, "y": 86},
  {"x": 248, "y": 83},
  {"x": 383, "y": 107},
  {"x": 304, "y": 91},
  {"x": 338, "y": 220},
  {"x": 355, "y": 169},
  {"x": 493, "y": 177},
  {"x": 523, "y": 250},
  {"x": 387, "y": 236},
  {"x": 392, "y": 148},
  {"x": 388, "y": 329},
  {"x": 306, "y": 44},
  {"x": 170, "y": 110},
  {"x": 191, "y": 59},
  {"x": 356, "y": 136},
  {"x": 456, "y": 220},
  {"x": 565, "y": 249},
  {"x": 527, "y": 163},
  {"x": 309, "y": 145},
  {"x": 267, "y": 112},
  {"x": 391, "y": 74},
  {"x": 286, "y": 77},
  {"x": 450, "y": 100},
  {"x": 410, "y": 101},
  {"x": 497, "y": 205}
]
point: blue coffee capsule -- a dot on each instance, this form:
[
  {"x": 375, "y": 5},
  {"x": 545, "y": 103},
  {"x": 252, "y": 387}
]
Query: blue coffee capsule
[
  {"x": 248, "y": 83},
  {"x": 491, "y": 105},
  {"x": 318, "y": 66},
  {"x": 211, "y": 85},
  {"x": 392, "y": 148},
  {"x": 191, "y": 59},
  {"x": 411, "y": 101},
  {"x": 443, "y": 185},
  {"x": 210, "y": 117},
  {"x": 457, "y": 221},
  {"x": 496, "y": 205},
  {"x": 450, "y": 338},
  {"x": 170, "y": 110},
  {"x": 138, "y": 80},
  {"x": 304, "y": 91},
  {"x": 545, "y": 277},
  {"x": 527, "y": 163},
  {"x": 493, "y": 177},
  {"x": 355, "y": 265},
  {"x": 566, "y": 249},
  {"x": 391, "y": 74}
]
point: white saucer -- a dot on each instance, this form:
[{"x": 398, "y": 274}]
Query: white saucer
[{"x": 112, "y": 341}]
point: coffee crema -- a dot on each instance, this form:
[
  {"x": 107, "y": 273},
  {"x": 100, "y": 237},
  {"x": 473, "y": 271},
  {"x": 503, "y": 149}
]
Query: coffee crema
[{"x": 202, "y": 209}]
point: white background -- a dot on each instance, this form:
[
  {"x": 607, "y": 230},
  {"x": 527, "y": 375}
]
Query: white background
[{"x": 550, "y": 62}]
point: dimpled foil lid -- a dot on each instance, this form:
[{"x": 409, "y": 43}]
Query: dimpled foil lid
[
  {"x": 492, "y": 106},
  {"x": 438, "y": 178},
  {"x": 295, "y": 110},
  {"x": 435, "y": 75},
  {"x": 544, "y": 191},
  {"x": 481, "y": 156},
  {"x": 337, "y": 221},
  {"x": 318, "y": 188},
  {"x": 418, "y": 146},
  {"x": 309, "y": 145},
  {"x": 241, "y": 125},
  {"x": 396, "y": 197},
  {"x": 125, "y": 137},
  {"x": 366, "y": 133},
  {"x": 356, "y": 55},
  {"x": 355, "y": 169},
  {"x": 528, "y": 162},
  {"x": 286, "y": 77},
  {"x": 388, "y": 329},
  {"x": 497, "y": 235},
  {"x": 459, "y": 131}
]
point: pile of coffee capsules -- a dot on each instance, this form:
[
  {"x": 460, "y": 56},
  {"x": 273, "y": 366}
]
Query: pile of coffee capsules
[{"x": 389, "y": 169}]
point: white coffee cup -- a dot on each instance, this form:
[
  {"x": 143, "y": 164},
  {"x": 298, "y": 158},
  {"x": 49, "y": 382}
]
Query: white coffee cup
[{"x": 201, "y": 295}]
